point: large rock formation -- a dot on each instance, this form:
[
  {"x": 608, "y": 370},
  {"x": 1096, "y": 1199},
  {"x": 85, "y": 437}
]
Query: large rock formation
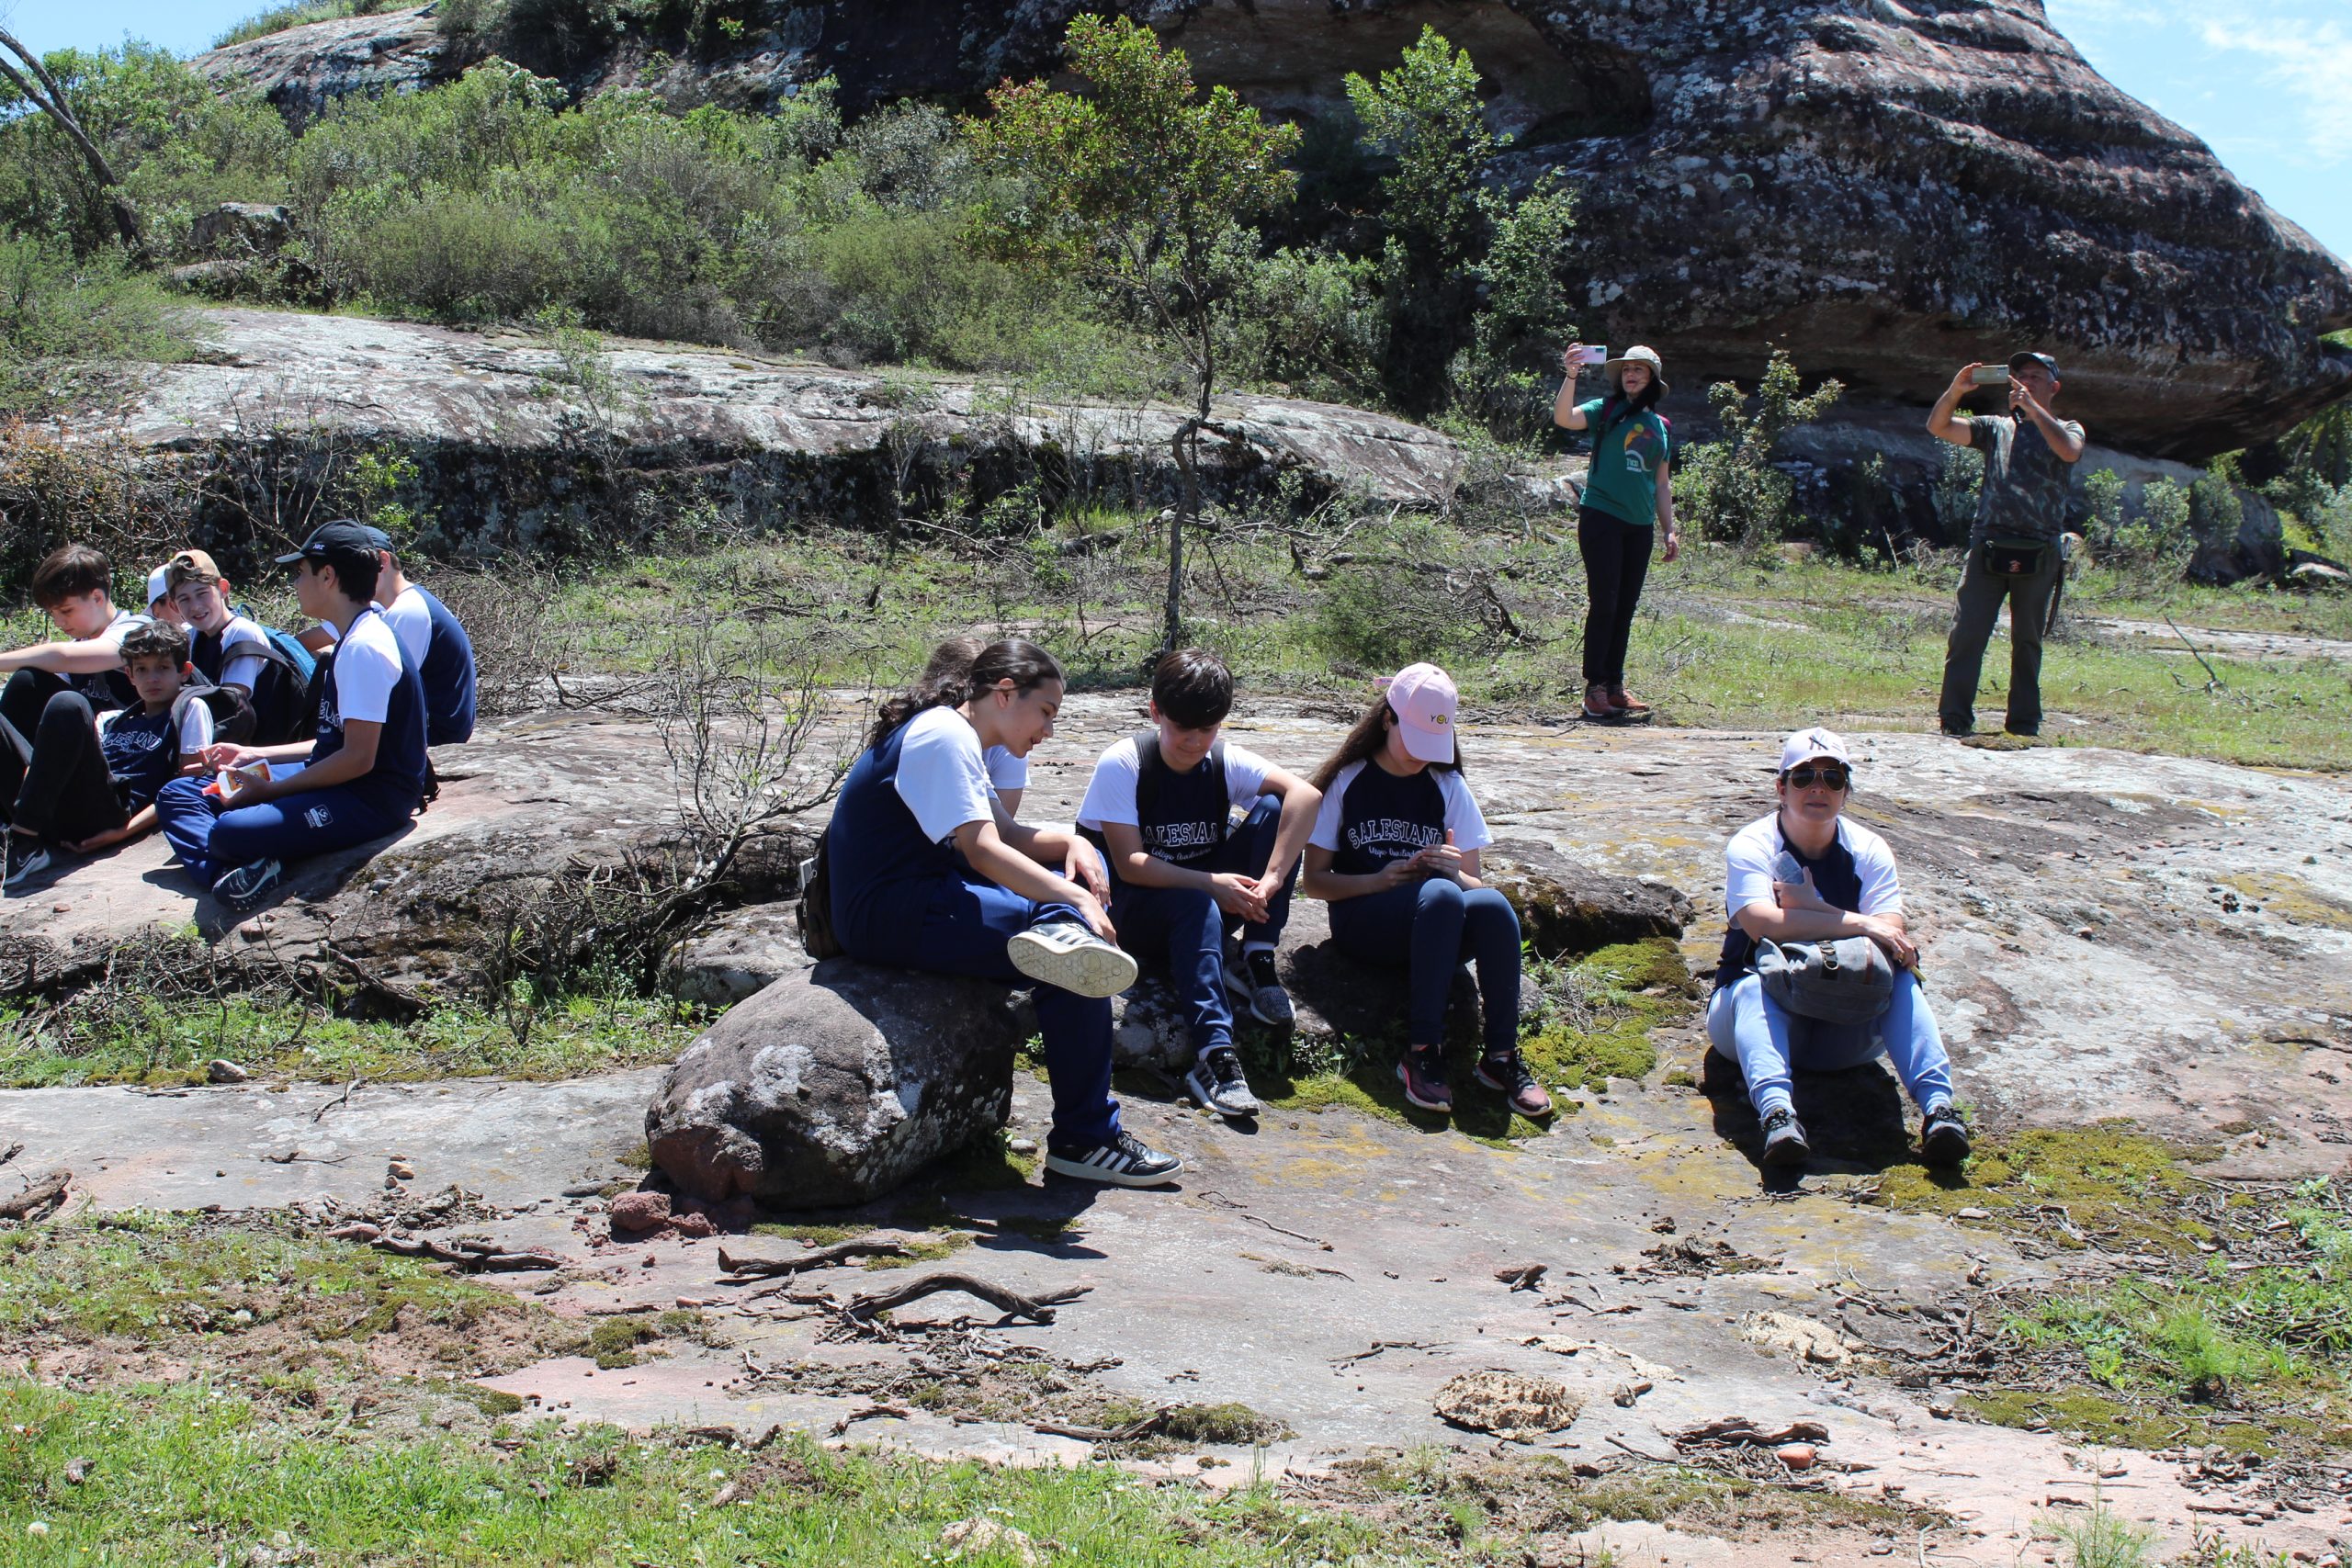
[
  {"x": 835, "y": 1085},
  {"x": 511, "y": 449},
  {"x": 1889, "y": 188}
]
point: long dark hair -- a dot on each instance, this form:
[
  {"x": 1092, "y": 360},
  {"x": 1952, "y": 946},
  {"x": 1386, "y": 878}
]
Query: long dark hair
[
  {"x": 1368, "y": 738},
  {"x": 1620, "y": 408},
  {"x": 945, "y": 685}
]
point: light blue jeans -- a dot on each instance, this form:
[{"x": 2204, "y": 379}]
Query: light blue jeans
[{"x": 1766, "y": 1041}]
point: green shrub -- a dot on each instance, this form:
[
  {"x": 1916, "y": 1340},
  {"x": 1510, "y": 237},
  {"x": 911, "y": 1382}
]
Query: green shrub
[
  {"x": 1729, "y": 488},
  {"x": 69, "y": 326},
  {"x": 1959, "y": 485},
  {"x": 298, "y": 14}
]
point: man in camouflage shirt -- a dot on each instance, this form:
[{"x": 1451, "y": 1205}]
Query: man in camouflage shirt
[{"x": 2030, "y": 456}]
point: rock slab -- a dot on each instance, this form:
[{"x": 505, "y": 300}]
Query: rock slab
[
  {"x": 835, "y": 1085},
  {"x": 1569, "y": 907}
]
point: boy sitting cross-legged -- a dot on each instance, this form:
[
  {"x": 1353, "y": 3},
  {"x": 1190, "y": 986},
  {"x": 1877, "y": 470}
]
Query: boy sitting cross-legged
[
  {"x": 89, "y": 782},
  {"x": 362, "y": 778},
  {"x": 1182, "y": 874}
]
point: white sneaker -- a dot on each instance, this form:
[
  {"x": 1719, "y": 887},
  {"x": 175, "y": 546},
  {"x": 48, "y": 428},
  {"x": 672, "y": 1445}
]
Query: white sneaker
[{"x": 1065, "y": 954}]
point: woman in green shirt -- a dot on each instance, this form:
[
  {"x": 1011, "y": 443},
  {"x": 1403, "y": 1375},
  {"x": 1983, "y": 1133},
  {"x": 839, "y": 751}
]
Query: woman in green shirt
[{"x": 1626, "y": 496}]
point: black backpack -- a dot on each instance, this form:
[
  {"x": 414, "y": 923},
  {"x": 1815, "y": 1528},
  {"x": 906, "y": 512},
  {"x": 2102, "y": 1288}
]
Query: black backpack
[
  {"x": 816, "y": 904},
  {"x": 227, "y": 703},
  {"x": 282, "y": 707}
]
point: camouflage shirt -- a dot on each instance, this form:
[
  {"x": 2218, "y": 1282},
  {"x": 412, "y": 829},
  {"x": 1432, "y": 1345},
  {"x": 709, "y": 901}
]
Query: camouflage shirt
[{"x": 2026, "y": 484}]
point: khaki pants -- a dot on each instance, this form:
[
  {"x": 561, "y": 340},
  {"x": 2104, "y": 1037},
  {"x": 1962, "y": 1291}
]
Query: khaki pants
[{"x": 1981, "y": 593}]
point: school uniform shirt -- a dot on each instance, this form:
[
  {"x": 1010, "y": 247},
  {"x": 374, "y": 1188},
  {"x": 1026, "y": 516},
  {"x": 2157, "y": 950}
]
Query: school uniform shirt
[
  {"x": 140, "y": 753},
  {"x": 894, "y": 821},
  {"x": 1854, "y": 874},
  {"x": 1622, "y": 480},
  {"x": 369, "y": 679},
  {"x": 1189, "y": 816},
  {"x": 205, "y": 649},
  {"x": 1371, "y": 817},
  {"x": 1005, "y": 770},
  {"x": 109, "y": 688},
  {"x": 443, "y": 655}
]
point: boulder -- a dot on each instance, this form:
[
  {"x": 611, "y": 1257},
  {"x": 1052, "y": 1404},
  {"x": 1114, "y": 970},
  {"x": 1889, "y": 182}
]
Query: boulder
[
  {"x": 237, "y": 229},
  {"x": 1567, "y": 909},
  {"x": 301, "y": 71},
  {"x": 835, "y": 1085},
  {"x": 741, "y": 954}
]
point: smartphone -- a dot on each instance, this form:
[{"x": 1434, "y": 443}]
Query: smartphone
[
  {"x": 1992, "y": 375},
  {"x": 1590, "y": 354}
]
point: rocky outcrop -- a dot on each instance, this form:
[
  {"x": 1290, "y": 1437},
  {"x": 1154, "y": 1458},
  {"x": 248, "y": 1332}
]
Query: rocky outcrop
[
  {"x": 1889, "y": 188},
  {"x": 1566, "y": 908},
  {"x": 834, "y": 1087},
  {"x": 513, "y": 451}
]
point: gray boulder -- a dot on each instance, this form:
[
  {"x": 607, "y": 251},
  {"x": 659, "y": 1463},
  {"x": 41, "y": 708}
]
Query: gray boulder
[
  {"x": 1566, "y": 908},
  {"x": 741, "y": 954},
  {"x": 835, "y": 1085},
  {"x": 236, "y": 229}
]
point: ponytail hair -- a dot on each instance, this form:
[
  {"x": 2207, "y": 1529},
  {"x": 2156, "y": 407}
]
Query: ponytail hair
[
  {"x": 950, "y": 682},
  {"x": 1620, "y": 408},
  {"x": 1367, "y": 740}
]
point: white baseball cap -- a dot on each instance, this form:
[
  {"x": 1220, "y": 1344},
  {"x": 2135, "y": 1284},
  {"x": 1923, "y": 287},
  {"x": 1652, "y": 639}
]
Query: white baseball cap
[
  {"x": 1807, "y": 744},
  {"x": 1423, "y": 699},
  {"x": 159, "y": 583}
]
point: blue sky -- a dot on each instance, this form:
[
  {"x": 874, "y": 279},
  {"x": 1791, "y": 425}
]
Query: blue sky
[{"x": 2268, "y": 84}]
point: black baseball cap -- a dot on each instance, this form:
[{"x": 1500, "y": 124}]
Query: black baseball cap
[
  {"x": 343, "y": 533},
  {"x": 2019, "y": 361}
]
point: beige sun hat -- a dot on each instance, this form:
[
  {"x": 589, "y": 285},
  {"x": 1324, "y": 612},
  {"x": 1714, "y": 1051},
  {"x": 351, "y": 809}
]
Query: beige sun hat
[{"x": 1614, "y": 371}]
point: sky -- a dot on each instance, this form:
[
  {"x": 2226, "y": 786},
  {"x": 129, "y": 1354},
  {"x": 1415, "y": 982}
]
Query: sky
[{"x": 2268, "y": 84}]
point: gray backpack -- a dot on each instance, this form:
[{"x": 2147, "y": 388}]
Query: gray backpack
[{"x": 1846, "y": 981}]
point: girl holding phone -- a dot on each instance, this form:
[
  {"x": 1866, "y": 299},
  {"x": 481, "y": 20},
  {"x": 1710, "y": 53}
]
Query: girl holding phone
[
  {"x": 1395, "y": 850},
  {"x": 1628, "y": 493}
]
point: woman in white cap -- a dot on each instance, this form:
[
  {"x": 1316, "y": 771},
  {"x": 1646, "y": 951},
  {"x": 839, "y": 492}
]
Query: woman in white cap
[
  {"x": 1395, "y": 850},
  {"x": 1627, "y": 496},
  {"x": 1806, "y": 874}
]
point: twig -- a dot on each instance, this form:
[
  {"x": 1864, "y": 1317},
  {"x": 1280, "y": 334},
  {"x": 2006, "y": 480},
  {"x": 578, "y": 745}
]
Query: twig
[
  {"x": 749, "y": 1269},
  {"x": 39, "y": 1198},
  {"x": 469, "y": 1256},
  {"x": 2209, "y": 671},
  {"x": 1127, "y": 1434},
  {"x": 11, "y": 1152},
  {"x": 1380, "y": 1345},
  {"x": 1036, "y": 1309},
  {"x": 869, "y": 1413},
  {"x": 1653, "y": 1459},
  {"x": 1316, "y": 1241},
  {"x": 343, "y": 1098}
]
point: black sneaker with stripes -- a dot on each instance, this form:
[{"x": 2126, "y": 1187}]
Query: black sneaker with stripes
[{"x": 1126, "y": 1161}]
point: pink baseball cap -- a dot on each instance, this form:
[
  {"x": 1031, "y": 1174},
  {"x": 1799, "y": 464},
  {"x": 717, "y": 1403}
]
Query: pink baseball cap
[{"x": 1423, "y": 699}]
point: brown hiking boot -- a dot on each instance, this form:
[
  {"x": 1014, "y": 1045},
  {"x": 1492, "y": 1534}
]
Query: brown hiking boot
[{"x": 1624, "y": 702}]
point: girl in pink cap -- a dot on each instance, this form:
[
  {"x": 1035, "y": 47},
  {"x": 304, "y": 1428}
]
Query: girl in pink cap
[{"x": 1395, "y": 850}]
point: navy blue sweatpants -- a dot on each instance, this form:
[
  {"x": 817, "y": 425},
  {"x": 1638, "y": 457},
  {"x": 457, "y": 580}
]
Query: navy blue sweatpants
[
  {"x": 1430, "y": 927},
  {"x": 964, "y": 925},
  {"x": 212, "y": 838},
  {"x": 1186, "y": 925}
]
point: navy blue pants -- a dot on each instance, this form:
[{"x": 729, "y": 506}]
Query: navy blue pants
[
  {"x": 213, "y": 838},
  {"x": 1186, "y": 926},
  {"x": 55, "y": 785},
  {"x": 1430, "y": 927},
  {"x": 964, "y": 922}
]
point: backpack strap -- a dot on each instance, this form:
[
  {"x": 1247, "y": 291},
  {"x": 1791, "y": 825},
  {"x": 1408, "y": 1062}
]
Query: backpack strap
[{"x": 1150, "y": 769}]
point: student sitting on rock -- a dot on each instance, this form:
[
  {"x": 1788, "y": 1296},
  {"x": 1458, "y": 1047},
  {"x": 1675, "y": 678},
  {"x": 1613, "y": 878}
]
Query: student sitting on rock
[
  {"x": 88, "y": 783},
  {"x": 74, "y": 587},
  {"x": 1021, "y": 901},
  {"x": 1008, "y": 774},
  {"x": 271, "y": 680},
  {"x": 1395, "y": 850},
  {"x": 436, "y": 645},
  {"x": 1803, "y": 873},
  {"x": 1160, "y": 805},
  {"x": 362, "y": 778}
]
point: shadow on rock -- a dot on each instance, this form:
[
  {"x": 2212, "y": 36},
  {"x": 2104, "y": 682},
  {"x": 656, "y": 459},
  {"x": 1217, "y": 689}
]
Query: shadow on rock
[{"x": 1853, "y": 1117}]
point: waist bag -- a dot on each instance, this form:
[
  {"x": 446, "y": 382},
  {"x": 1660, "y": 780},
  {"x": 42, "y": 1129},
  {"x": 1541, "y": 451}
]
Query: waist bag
[
  {"x": 2014, "y": 558},
  {"x": 1846, "y": 981}
]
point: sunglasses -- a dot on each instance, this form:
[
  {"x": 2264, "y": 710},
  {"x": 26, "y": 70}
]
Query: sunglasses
[{"x": 1831, "y": 775}]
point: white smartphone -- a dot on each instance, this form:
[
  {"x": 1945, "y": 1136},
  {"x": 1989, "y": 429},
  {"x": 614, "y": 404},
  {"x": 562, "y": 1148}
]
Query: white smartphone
[
  {"x": 1991, "y": 376},
  {"x": 1590, "y": 355}
]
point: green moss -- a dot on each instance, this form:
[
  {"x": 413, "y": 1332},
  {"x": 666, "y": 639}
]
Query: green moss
[
  {"x": 614, "y": 1340},
  {"x": 1231, "y": 1423},
  {"x": 2108, "y": 1181},
  {"x": 2082, "y": 1414},
  {"x": 492, "y": 1402},
  {"x": 637, "y": 1158}
]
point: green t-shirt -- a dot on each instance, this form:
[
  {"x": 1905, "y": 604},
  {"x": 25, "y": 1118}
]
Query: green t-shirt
[{"x": 1625, "y": 463}]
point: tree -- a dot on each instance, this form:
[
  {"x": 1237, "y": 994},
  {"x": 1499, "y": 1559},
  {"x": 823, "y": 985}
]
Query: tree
[
  {"x": 1730, "y": 489},
  {"x": 53, "y": 103},
  {"x": 1144, "y": 190}
]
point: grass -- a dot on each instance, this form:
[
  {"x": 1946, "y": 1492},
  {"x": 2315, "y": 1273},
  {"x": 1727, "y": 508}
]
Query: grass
[
  {"x": 1720, "y": 641},
  {"x": 134, "y": 1039}
]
